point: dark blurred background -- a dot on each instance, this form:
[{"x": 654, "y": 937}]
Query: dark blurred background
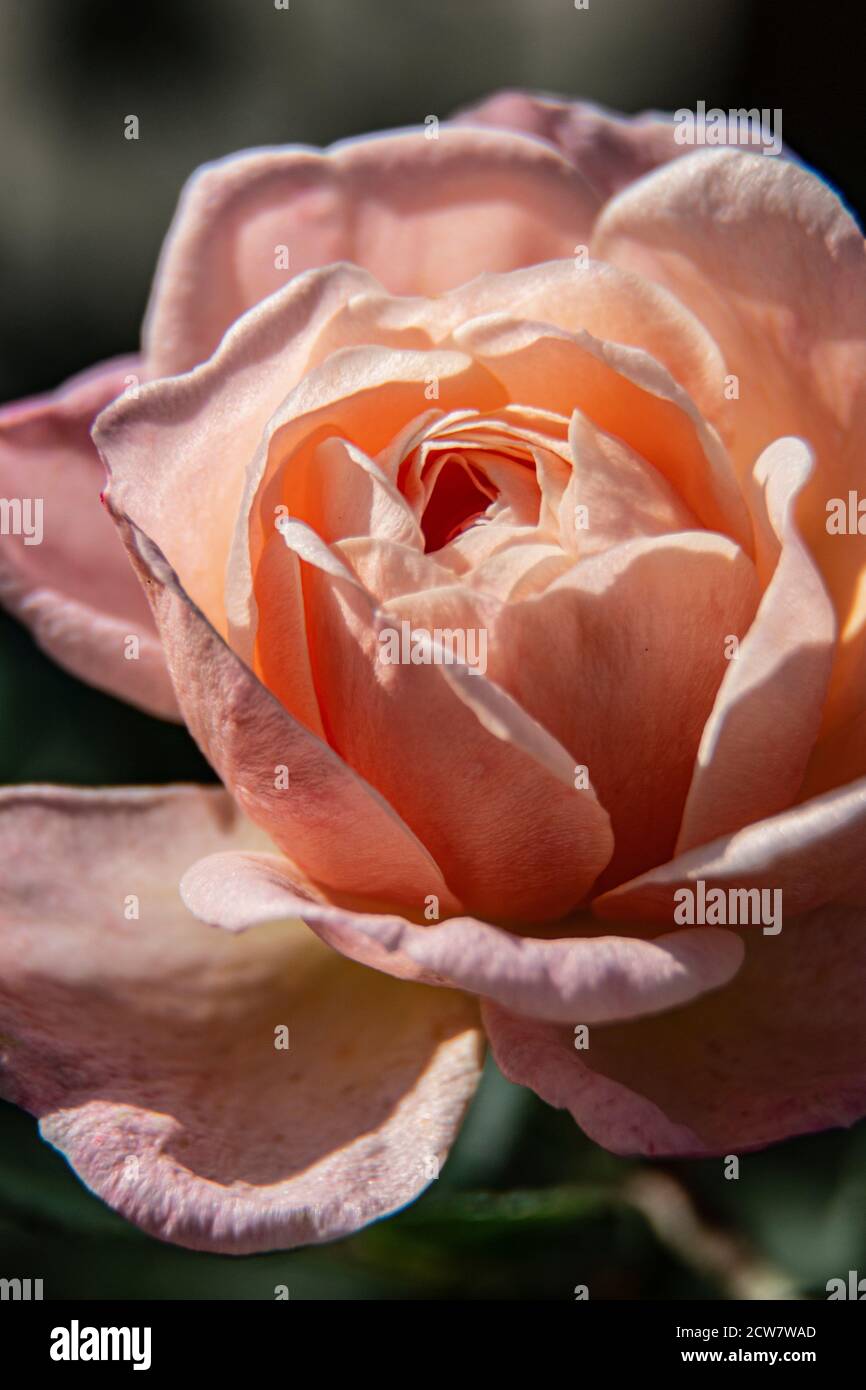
[{"x": 526, "y": 1208}]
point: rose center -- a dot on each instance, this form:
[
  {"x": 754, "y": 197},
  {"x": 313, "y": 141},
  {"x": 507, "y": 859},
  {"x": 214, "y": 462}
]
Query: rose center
[{"x": 460, "y": 497}]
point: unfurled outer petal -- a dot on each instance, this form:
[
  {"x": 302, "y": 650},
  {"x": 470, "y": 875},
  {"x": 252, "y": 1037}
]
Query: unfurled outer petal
[
  {"x": 567, "y": 979},
  {"x": 423, "y": 214},
  {"x": 781, "y": 1051},
  {"x": 341, "y": 832},
  {"x": 609, "y": 150},
  {"x": 65, "y": 573},
  {"x": 226, "y": 1093},
  {"x": 756, "y": 743}
]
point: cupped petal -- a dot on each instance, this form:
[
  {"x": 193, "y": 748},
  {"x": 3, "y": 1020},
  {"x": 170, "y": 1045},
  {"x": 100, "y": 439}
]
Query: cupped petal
[
  {"x": 566, "y": 979},
  {"x": 423, "y": 210},
  {"x": 497, "y": 808},
  {"x": 338, "y": 828},
  {"x": 613, "y": 495},
  {"x": 812, "y": 853},
  {"x": 779, "y": 1051},
  {"x": 605, "y": 301},
  {"x": 625, "y": 392},
  {"x": 177, "y": 452},
  {"x": 63, "y": 571},
  {"x": 619, "y": 660},
  {"x": 770, "y": 260},
  {"x": 756, "y": 743},
  {"x": 342, "y": 493},
  {"x": 364, "y": 396},
  {"x": 210, "y": 1087}
]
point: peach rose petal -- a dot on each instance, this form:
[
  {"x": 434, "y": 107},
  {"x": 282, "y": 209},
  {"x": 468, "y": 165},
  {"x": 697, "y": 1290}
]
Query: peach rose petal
[
  {"x": 812, "y": 853},
  {"x": 338, "y": 828},
  {"x": 630, "y": 647},
  {"x": 778, "y": 1053},
  {"x": 837, "y": 759},
  {"x": 498, "y": 810},
  {"x": 147, "y": 1044},
  {"x": 626, "y": 393},
  {"x": 305, "y": 467},
  {"x": 365, "y": 396},
  {"x": 74, "y": 587},
  {"x": 767, "y": 257},
  {"x": 757, "y": 740},
  {"x": 613, "y": 495},
  {"x": 177, "y": 455},
  {"x": 771, "y": 261},
  {"x": 518, "y": 568},
  {"x": 596, "y": 979},
  {"x": 422, "y": 214},
  {"x": 611, "y": 304},
  {"x": 344, "y": 494}
]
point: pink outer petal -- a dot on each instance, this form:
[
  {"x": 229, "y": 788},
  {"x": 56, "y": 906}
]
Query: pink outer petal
[
  {"x": 340, "y": 831},
  {"x": 756, "y": 743},
  {"x": 780, "y": 1051},
  {"x": 421, "y": 214},
  {"x": 609, "y": 150},
  {"x": 147, "y": 1046},
  {"x": 812, "y": 853},
  {"x": 75, "y": 589},
  {"x": 585, "y": 979}
]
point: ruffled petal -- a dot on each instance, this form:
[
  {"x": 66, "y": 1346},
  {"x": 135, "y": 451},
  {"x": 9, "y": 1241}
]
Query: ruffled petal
[
  {"x": 231, "y": 1094},
  {"x": 584, "y": 979},
  {"x": 609, "y": 150},
  {"x": 421, "y": 213}
]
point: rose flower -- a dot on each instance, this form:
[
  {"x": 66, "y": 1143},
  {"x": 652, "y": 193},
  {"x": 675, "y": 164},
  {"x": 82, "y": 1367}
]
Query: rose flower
[{"x": 478, "y": 481}]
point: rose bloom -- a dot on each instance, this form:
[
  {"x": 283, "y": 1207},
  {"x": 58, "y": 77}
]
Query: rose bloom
[{"x": 547, "y": 383}]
